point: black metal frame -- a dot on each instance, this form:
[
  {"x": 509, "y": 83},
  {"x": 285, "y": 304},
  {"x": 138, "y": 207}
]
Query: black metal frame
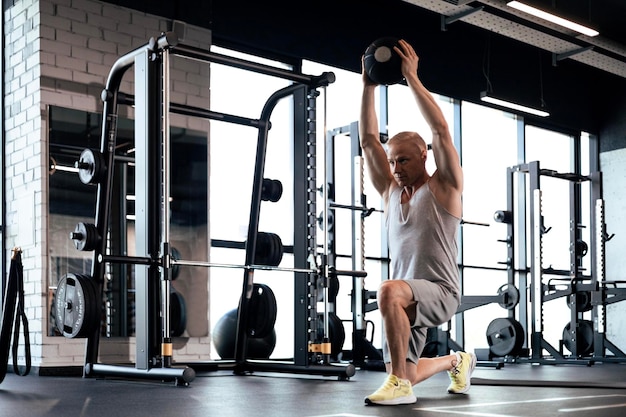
[
  {"x": 594, "y": 283},
  {"x": 153, "y": 262}
]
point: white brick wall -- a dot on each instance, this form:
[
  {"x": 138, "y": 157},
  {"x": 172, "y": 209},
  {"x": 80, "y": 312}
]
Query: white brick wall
[
  {"x": 614, "y": 177},
  {"x": 25, "y": 152},
  {"x": 60, "y": 52}
]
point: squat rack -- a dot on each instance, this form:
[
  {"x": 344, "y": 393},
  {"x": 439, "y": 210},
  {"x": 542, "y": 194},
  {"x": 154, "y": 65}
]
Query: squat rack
[
  {"x": 153, "y": 261},
  {"x": 594, "y": 283}
]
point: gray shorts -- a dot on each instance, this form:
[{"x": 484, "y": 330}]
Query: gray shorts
[{"x": 434, "y": 305}]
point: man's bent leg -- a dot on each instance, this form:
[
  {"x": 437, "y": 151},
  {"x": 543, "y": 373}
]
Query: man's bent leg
[{"x": 393, "y": 299}]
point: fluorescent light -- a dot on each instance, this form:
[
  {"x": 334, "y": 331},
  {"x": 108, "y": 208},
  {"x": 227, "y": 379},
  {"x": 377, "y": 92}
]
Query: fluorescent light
[
  {"x": 484, "y": 96},
  {"x": 553, "y": 18}
]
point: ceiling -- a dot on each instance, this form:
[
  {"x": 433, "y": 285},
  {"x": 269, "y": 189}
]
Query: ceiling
[
  {"x": 580, "y": 80},
  {"x": 606, "y": 51}
]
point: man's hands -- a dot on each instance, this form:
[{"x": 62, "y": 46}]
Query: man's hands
[{"x": 409, "y": 58}]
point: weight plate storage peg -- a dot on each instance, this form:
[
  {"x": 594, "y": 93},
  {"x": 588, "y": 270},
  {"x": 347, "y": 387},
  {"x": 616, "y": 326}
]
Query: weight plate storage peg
[
  {"x": 76, "y": 306},
  {"x": 91, "y": 167},
  {"x": 505, "y": 337}
]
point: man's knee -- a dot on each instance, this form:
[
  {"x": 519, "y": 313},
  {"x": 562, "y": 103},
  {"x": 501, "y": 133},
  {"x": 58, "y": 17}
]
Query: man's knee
[{"x": 394, "y": 292}]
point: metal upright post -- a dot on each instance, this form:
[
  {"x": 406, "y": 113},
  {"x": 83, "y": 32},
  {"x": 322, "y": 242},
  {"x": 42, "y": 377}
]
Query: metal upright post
[
  {"x": 147, "y": 212},
  {"x": 536, "y": 256}
]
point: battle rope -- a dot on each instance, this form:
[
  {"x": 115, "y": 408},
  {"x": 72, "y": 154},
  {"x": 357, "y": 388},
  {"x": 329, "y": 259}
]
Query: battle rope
[{"x": 14, "y": 310}]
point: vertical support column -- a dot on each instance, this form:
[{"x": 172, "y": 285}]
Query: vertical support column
[
  {"x": 598, "y": 311},
  {"x": 574, "y": 235},
  {"x": 305, "y": 222},
  {"x": 147, "y": 213},
  {"x": 166, "y": 281},
  {"x": 358, "y": 230},
  {"x": 536, "y": 275}
]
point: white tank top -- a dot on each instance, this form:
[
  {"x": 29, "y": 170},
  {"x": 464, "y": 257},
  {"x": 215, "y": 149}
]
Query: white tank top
[{"x": 422, "y": 239}]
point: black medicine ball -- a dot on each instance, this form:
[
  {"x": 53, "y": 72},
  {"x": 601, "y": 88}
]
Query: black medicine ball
[{"x": 382, "y": 64}]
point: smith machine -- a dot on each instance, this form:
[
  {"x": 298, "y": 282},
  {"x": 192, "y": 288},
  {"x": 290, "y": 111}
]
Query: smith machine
[{"x": 79, "y": 297}]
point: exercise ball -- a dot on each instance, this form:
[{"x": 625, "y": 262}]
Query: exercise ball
[
  {"x": 382, "y": 64},
  {"x": 224, "y": 337}
]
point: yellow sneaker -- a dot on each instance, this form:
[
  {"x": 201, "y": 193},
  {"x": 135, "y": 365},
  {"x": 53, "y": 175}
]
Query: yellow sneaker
[
  {"x": 394, "y": 391},
  {"x": 460, "y": 376}
]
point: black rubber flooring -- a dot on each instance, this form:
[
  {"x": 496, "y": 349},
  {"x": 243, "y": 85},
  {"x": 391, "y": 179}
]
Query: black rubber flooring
[{"x": 513, "y": 390}]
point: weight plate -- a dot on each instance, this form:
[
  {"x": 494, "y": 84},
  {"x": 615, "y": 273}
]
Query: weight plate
[
  {"x": 278, "y": 250},
  {"x": 85, "y": 237},
  {"x": 178, "y": 314},
  {"x": 90, "y": 167},
  {"x": 582, "y": 300},
  {"x": 93, "y": 306},
  {"x": 505, "y": 337},
  {"x": 336, "y": 333},
  {"x": 262, "y": 249},
  {"x": 262, "y": 311},
  {"x": 510, "y": 296},
  {"x": 583, "y": 338},
  {"x": 76, "y": 309}
]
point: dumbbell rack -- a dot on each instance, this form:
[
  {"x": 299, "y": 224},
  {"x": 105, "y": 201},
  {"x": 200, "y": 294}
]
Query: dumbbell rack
[
  {"x": 578, "y": 283},
  {"x": 153, "y": 262}
]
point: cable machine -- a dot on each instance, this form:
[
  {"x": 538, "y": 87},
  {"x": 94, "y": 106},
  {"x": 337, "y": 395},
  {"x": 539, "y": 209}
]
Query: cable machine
[{"x": 154, "y": 262}]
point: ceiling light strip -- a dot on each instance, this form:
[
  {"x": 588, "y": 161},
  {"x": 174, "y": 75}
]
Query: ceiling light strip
[
  {"x": 484, "y": 96},
  {"x": 553, "y": 18}
]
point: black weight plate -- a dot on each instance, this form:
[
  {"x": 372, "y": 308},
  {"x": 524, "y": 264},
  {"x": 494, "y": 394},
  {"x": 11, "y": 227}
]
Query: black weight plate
[
  {"x": 337, "y": 334},
  {"x": 270, "y": 250},
  {"x": 262, "y": 249},
  {"x": 278, "y": 250},
  {"x": 90, "y": 167},
  {"x": 93, "y": 304},
  {"x": 85, "y": 237},
  {"x": 584, "y": 338},
  {"x": 262, "y": 311},
  {"x": 333, "y": 287},
  {"x": 505, "y": 336},
  {"x": 583, "y": 301},
  {"x": 178, "y": 314},
  {"x": 510, "y": 296},
  {"x": 74, "y": 316}
]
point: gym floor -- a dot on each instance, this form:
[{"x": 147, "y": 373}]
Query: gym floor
[{"x": 512, "y": 390}]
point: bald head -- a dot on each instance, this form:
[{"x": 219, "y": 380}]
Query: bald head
[{"x": 408, "y": 139}]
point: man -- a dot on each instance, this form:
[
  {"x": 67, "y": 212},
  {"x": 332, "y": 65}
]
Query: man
[{"x": 422, "y": 214}]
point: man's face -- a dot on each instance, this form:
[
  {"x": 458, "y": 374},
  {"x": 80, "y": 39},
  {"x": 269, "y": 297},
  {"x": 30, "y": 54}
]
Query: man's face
[{"x": 407, "y": 162}]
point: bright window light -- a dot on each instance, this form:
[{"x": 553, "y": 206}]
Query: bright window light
[{"x": 553, "y": 18}]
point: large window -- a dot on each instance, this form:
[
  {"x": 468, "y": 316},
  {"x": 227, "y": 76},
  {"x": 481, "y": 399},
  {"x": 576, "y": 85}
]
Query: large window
[
  {"x": 489, "y": 147},
  {"x": 490, "y": 141}
]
